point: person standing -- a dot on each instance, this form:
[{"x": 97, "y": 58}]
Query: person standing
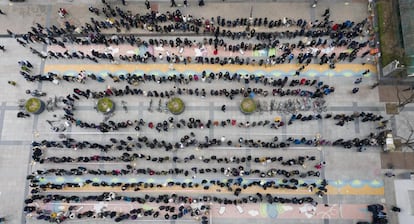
[
  {"x": 185, "y": 3},
  {"x": 389, "y": 174},
  {"x": 123, "y": 2},
  {"x": 13, "y": 83},
  {"x": 147, "y": 4},
  {"x": 395, "y": 209},
  {"x": 173, "y": 4},
  {"x": 358, "y": 80},
  {"x": 355, "y": 90}
]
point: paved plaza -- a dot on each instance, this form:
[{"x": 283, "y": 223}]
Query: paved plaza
[{"x": 354, "y": 179}]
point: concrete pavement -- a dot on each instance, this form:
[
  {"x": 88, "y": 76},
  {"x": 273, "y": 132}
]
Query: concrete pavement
[{"x": 16, "y": 135}]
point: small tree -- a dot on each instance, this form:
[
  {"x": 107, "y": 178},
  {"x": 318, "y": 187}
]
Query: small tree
[
  {"x": 248, "y": 106},
  {"x": 176, "y": 106},
  {"x": 405, "y": 96},
  {"x": 408, "y": 139},
  {"x": 404, "y": 90},
  {"x": 105, "y": 105},
  {"x": 34, "y": 105}
]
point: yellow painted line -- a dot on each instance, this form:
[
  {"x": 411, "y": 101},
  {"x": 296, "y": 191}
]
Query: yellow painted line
[
  {"x": 346, "y": 190},
  {"x": 200, "y": 67}
]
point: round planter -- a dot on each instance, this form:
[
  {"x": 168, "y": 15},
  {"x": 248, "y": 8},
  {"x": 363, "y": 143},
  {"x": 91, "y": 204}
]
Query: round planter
[
  {"x": 176, "y": 106},
  {"x": 248, "y": 106},
  {"x": 34, "y": 106},
  {"x": 105, "y": 105}
]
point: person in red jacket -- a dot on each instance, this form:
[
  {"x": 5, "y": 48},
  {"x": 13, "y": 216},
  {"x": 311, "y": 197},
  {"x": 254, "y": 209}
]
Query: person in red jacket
[{"x": 62, "y": 12}]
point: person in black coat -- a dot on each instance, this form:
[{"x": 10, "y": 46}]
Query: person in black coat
[{"x": 147, "y": 4}]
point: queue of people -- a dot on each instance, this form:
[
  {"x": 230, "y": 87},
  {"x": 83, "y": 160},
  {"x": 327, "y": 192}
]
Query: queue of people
[
  {"x": 337, "y": 34},
  {"x": 318, "y": 38}
]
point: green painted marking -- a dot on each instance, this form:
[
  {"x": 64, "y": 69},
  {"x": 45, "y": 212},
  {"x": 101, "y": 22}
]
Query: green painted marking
[
  {"x": 356, "y": 182},
  {"x": 60, "y": 179},
  {"x": 348, "y": 74}
]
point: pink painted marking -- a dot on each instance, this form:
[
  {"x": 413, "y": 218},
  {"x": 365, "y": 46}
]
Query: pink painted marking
[{"x": 125, "y": 49}]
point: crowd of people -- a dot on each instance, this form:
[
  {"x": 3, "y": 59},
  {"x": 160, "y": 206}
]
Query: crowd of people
[
  {"x": 341, "y": 118},
  {"x": 317, "y": 92},
  {"x": 322, "y": 35},
  {"x": 289, "y": 179},
  {"x": 210, "y": 77},
  {"x": 293, "y": 40},
  {"x": 168, "y": 211}
]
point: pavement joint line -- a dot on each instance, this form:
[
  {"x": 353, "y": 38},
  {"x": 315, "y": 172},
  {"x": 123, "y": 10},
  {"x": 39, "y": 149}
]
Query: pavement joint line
[
  {"x": 211, "y": 115},
  {"x": 174, "y": 152},
  {"x": 36, "y": 118},
  {"x": 330, "y": 108},
  {"x": 322, "y": 153},
  {"x": 142, "y": 34},
  {"x": 320, "y": 127},
  {"x": 62, "y": 66},
  {"x": 162, "y": 179},
  {"x": 140, "y": 111},
  {"x": 101, "y": 153},
  {"x": 2, "y": 113},
  {"x": 44, "y": 47},
  {"x": 29, "y": 167},
  {"x": 68, "y": 129},
  {"x": 284, "y": 128},
  {"x": 356, "y": 124},
  {"x": 149, "y": 134},
  {"x": 235, "y": 108},
  {"x": 394, "y": 125},
  {"x": 11, "y": 142},
  {"x": 198, "y": 191},
  {"x": 248, "y": 150},
  {"x": 356, "y": 121},
  {"x": 248, "y": 163},
  {"x": 211, "y": 217},
  {"x": 312, "y": 12},
  {"x": 323, "y": 174},
  {"x": 352, "y": 108}
]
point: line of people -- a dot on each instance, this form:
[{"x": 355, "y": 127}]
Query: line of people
[
  {"x": 168, "y": 206},
  {"x": 239, "y": 171},
  {"x": 233, "y": 185},
  {"x": 340, "y": 39},
  {"x": 340, "y": 118},
  {"x": 228, "y": 93},
  {"x": 39, "y": 156},
  {"x": 205, "y": 77},
  {"x": 74, "y": 212}
]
